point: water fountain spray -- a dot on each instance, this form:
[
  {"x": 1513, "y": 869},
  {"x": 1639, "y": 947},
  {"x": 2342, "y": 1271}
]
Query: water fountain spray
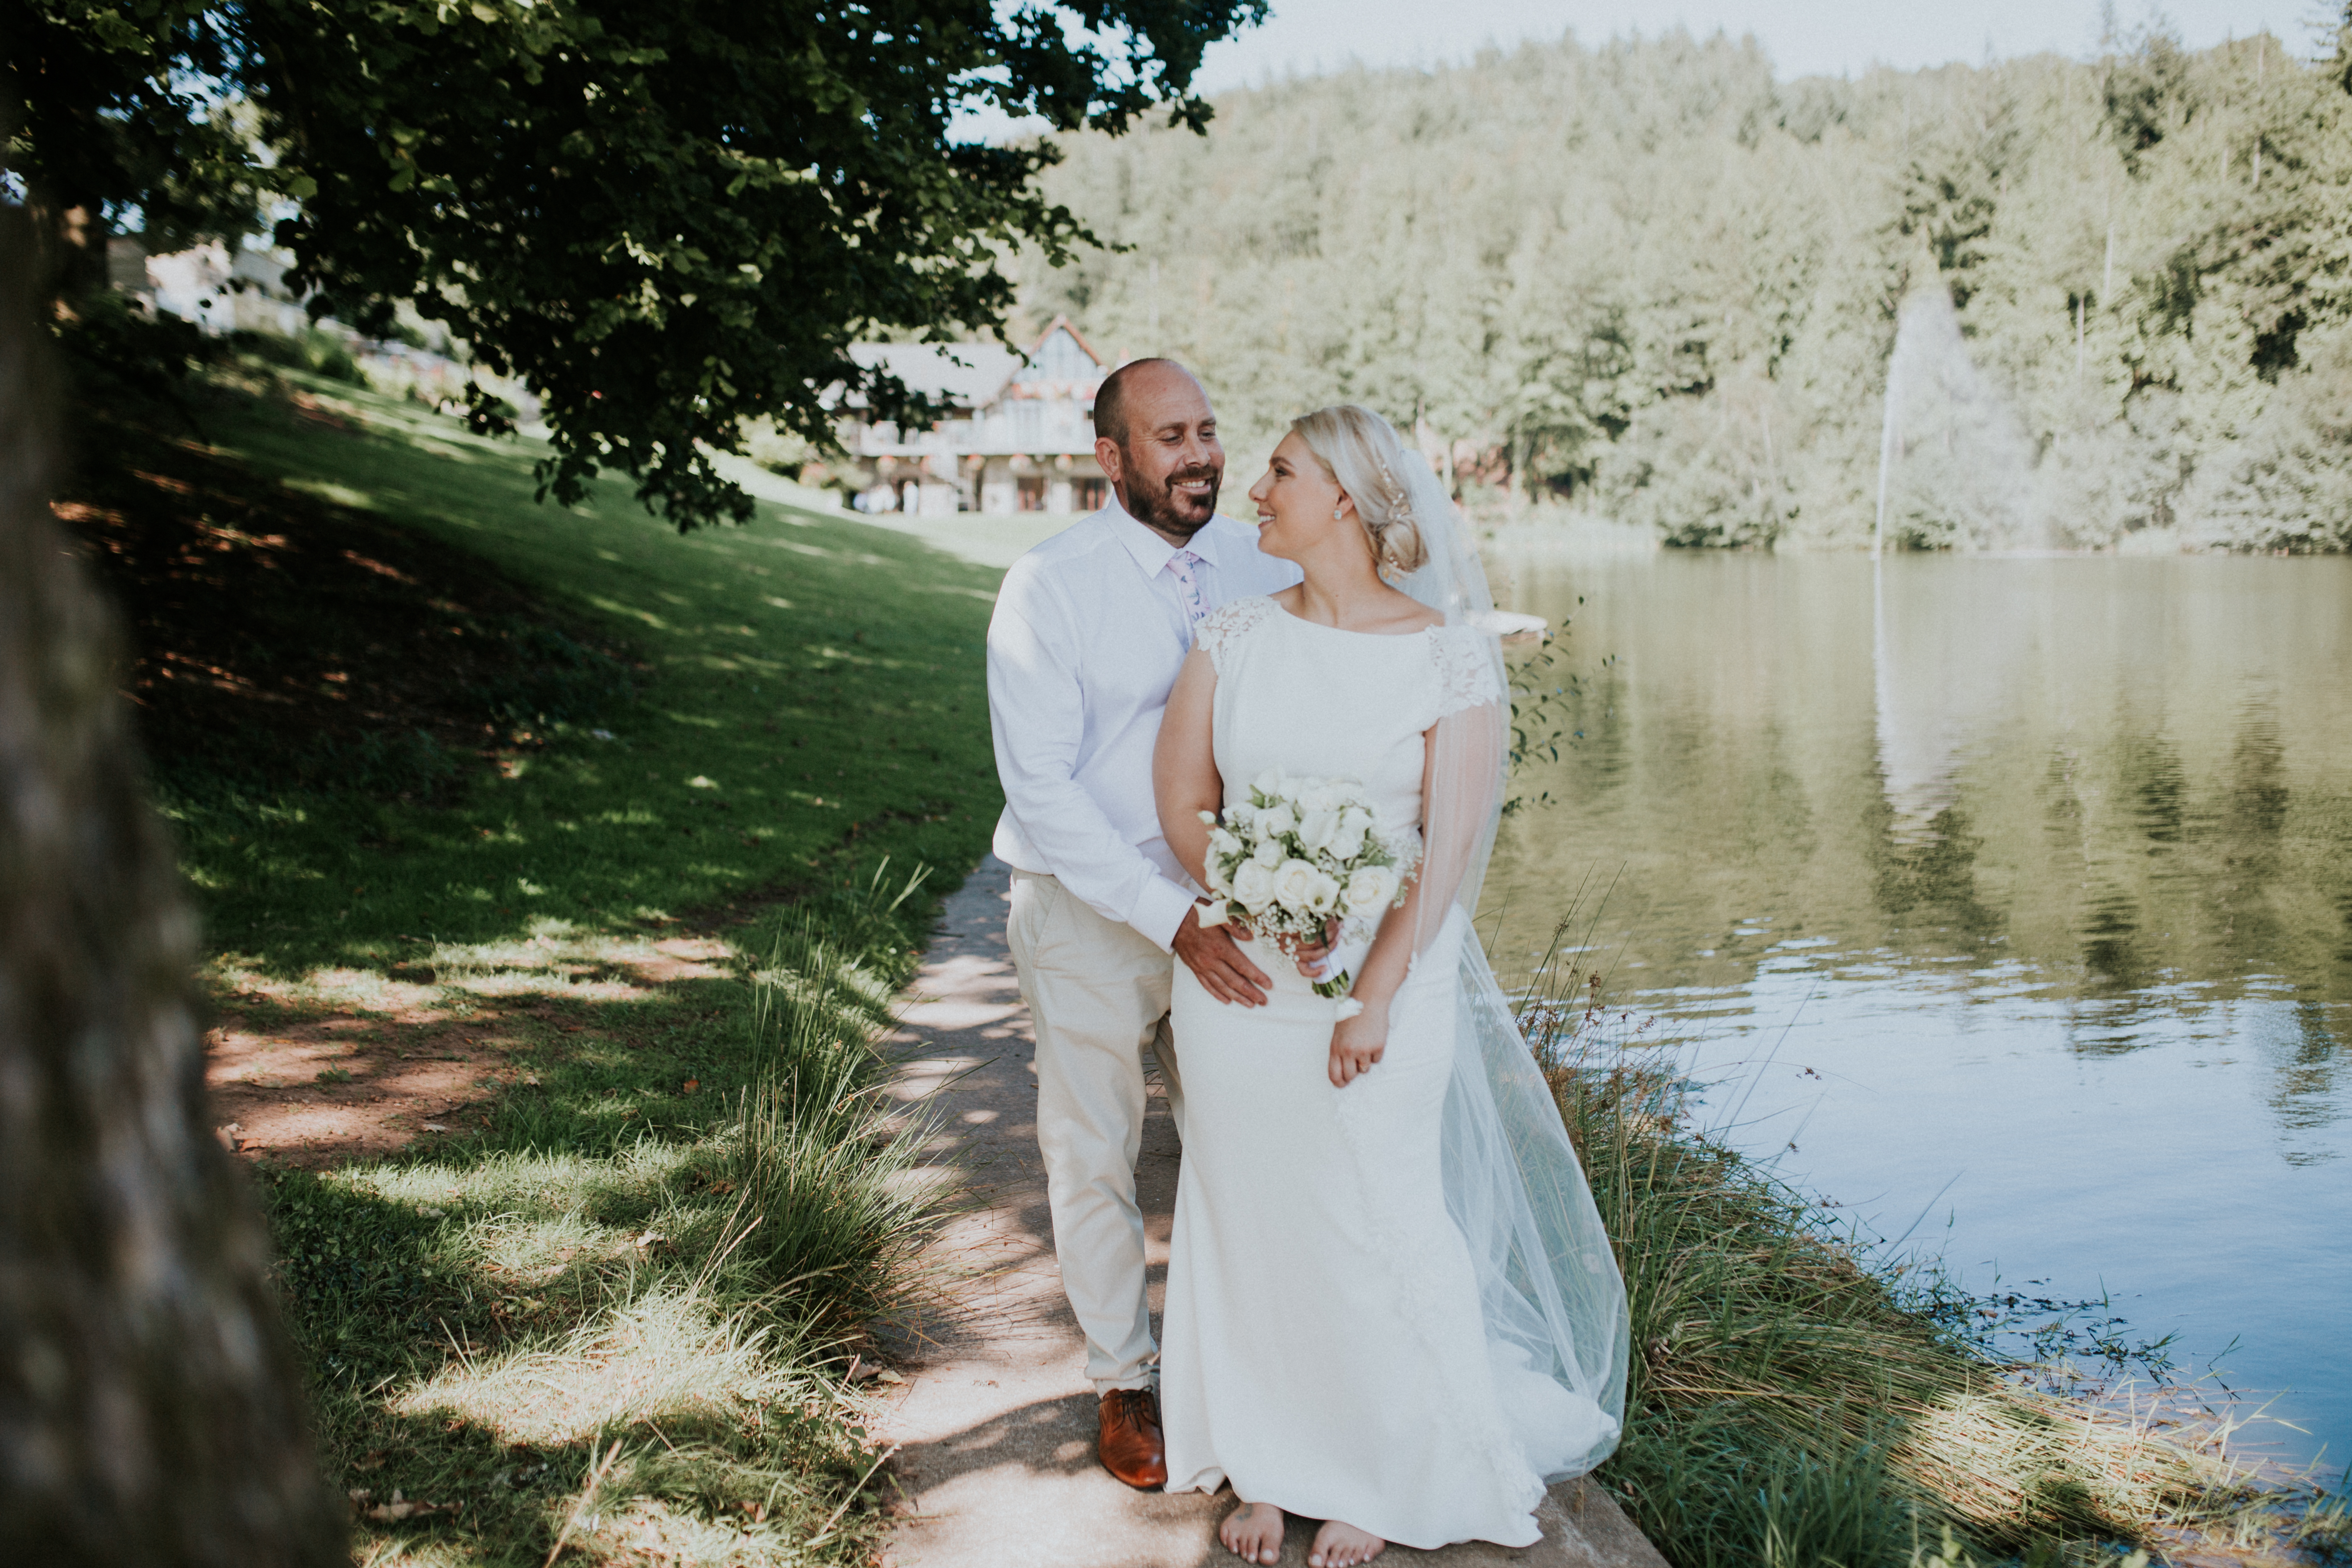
[{"x": 1955, "y": 465}]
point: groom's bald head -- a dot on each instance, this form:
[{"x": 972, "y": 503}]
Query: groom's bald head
[
  {"x": 1155, "y": 438},
  {"x": 1146, "y": 382}
]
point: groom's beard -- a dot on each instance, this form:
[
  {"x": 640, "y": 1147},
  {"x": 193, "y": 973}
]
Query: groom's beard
[{"x": 1159, "y": 506}]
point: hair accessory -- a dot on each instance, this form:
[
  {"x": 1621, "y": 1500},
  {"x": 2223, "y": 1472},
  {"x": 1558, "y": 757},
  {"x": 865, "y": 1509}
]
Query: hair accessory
[{"x": 1399, "y": 499}]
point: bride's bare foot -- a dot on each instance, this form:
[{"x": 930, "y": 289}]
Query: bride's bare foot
[
  {"x": 1253, "y": 1533},
  {"x": 1340, "y": 1545}
]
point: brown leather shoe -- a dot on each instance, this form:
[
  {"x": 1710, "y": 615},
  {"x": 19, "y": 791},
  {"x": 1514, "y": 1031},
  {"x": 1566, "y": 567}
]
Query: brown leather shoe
[{"x": 1131, "y": 1445}]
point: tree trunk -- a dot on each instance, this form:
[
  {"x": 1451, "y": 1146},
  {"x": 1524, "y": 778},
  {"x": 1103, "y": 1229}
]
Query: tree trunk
[{"x": 150, "y": 1411}]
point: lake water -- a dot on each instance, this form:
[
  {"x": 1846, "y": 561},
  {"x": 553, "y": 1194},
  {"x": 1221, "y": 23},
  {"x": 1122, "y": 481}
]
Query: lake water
[{"x": 2007, "y": 903}]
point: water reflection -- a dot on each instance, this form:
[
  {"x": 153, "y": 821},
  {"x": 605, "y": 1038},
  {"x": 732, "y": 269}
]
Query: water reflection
[{"x": 2043, "y": 862}]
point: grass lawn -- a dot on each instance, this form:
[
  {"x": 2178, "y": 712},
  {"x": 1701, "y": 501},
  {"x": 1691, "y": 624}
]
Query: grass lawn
[
  {"x": 810, "y": 696},
  {"x": 606, "y": 837}
]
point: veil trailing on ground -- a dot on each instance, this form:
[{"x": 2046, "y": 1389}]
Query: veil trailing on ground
[{"x": 1548, "y": 1283}]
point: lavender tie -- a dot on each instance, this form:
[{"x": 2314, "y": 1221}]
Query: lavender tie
[{"x": 1188, "y": 587}]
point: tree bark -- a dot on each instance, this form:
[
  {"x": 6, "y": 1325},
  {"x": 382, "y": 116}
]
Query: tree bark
[{"x": 151, "y": 1411}]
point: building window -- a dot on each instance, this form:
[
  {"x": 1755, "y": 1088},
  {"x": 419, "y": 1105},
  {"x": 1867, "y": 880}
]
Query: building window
[
  {"x": 1033, "y": 492},
  {"x": 1089, "y": 494}
]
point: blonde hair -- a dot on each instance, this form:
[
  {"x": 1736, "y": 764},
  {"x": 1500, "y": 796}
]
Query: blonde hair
[{"x": 1363, "y": 454}]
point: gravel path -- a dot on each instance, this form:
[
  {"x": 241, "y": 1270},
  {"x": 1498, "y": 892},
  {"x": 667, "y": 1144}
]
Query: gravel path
[{"x": 996, "y": 1422}]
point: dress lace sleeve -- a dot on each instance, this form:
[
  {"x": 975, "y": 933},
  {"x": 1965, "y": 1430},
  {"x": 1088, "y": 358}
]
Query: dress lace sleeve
[
  {"x": 1465, "y": 669},
  {"x": 1224, "y": 629}
]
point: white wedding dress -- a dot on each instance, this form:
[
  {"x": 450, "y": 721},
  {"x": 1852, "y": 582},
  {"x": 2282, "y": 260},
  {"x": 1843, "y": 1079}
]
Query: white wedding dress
[{"x": 1331, "y": 1344}]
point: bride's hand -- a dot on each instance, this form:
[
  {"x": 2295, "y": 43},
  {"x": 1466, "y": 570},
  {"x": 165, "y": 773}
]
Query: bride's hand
[{"x": 1359, "y": 1041}]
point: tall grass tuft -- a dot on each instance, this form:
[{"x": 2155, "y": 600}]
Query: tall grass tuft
[
  {"x": 1788, "y": 1402},
  {"x": 823, "y": 1159}
]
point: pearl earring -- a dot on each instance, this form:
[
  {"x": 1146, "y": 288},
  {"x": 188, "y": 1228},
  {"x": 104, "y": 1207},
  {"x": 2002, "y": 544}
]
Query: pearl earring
[{"x": 1335, "y": 514}]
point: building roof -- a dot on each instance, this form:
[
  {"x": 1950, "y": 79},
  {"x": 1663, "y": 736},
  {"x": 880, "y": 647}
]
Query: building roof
[
  {"x": 967, "y": 374},
  {"x": 972, "y": 375}
]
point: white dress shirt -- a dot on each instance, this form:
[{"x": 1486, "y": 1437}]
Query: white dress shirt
[{"x": 1088, "y": 634}]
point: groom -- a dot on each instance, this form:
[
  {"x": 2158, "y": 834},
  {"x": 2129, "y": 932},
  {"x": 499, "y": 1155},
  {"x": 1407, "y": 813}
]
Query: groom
[{"x": 1090, "y": 629}]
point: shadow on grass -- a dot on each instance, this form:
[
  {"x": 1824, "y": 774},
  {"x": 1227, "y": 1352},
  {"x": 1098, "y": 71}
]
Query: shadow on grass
[
  {"x": 611, "y": 1258},
  {"x": 393, "y": 703}
]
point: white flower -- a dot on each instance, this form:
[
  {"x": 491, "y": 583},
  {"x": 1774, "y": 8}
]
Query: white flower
[
  {"x": 1214, "y": 912},
  {"x": 1295, "y": 885},
  {"x": 1268, "y": 783},
  {"x": 1220, "y": 879},
  {"x": 1321, "y": 826},
  {"x": 1221, "y": 842},
  {"x": 1321, "y": 797},
  {"x": 1208, "y": 818},
  {"x": 1269, "y": 853},
  {"x": 1241, "y": 817},
  {"x": 1254, "y": 885},
  {"x": 1278, "y": 820},
  {"x": 1356, "y": 819},
  {"x": 1372, "y": 889},
  {"x": 1323, "y": 897},
  {"x": 1346, "y": 843}
]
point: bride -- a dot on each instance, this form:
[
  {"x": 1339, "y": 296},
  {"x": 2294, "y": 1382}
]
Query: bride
[{"x": 1390, "y": 1304}]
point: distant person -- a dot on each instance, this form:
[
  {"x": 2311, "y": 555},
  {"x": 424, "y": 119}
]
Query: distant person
[
  {"x": 1391, "y": 1306},
  {"x": 1090, "y": 631}
]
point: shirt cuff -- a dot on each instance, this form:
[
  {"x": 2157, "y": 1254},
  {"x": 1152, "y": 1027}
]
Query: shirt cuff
[{"x": 1160, "y": 912}]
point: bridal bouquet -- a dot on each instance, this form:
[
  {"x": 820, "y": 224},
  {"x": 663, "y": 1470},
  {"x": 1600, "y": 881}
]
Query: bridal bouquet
[{"x": 1298, "y": 853}]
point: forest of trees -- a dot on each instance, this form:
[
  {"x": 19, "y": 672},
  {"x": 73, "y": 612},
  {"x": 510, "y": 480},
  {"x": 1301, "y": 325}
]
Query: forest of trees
[{"x": 1648, "y": 281}]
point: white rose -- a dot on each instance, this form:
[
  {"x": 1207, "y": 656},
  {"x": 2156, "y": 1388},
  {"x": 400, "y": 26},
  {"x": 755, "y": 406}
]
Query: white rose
[
  {"x": 1356, "y": 819},
  {"x": 1318, "y": 831},
  {"x": 1347, "y": 843},
  {"x": 1254, "y": 885},
  {"x": 1268, "y": 783},
  {"x": 1278, "y": 821},
  {"x": 1320, "y": 797},
  {"x": 1269, "y": 854},
  {"x": 1372, "y": 889},
  {"x": 1323, "y": 898},
  {"x": 1221, "y": 842},
  {"x": 1294, "y": 885}
]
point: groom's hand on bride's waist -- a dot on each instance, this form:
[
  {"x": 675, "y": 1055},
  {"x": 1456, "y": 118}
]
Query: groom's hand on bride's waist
[{"x": 1224, "y": 970}]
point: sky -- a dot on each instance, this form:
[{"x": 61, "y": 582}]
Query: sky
[{"x": 1802, "y": 37}]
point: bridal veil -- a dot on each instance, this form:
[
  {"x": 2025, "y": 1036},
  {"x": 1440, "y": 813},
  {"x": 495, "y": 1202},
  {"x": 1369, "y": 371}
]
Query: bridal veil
[{"x": 1548, "y": 1283}]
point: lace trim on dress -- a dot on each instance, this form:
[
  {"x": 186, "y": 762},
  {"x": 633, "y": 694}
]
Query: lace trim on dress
[
  {"x": 1224, "y": 629},
  {"x": 1465, "y": 672}
]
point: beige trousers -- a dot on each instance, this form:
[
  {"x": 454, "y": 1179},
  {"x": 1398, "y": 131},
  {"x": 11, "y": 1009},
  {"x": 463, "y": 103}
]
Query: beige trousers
[{"x": 1098, "y": 993}]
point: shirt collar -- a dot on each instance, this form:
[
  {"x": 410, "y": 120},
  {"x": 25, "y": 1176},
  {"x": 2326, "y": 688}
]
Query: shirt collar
[{"x": 1151, "y": 551}]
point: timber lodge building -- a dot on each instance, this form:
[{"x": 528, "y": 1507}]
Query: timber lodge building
[{"x": 1020, "y": 435}]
